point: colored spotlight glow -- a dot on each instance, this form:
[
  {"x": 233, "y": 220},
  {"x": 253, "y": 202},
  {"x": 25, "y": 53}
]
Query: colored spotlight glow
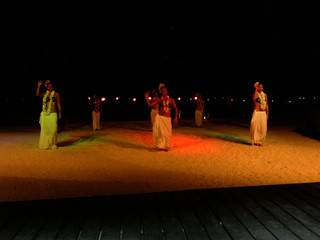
[
  {"x": 134, "y": 99},
  {"x": 117, "y": 98},
  {"x": 195, "y": 98},
  {"x": 204, "y": 117},
  {"x": 149, "y": 98},
  {"x": 179, "y": 98},
  {"x": 103, "y": 99},
  {"x": 89, "y": 98}
]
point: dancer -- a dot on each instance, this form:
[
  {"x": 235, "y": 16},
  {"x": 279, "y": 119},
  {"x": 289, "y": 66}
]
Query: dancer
[
  {"x": 162, "y": 128},
  {"x": 96, "y": 113},
  {"x": 48, "y": 117},
  {"x": 198, "y": 115},
  {"x": 155, "y": 108},
  {"x": 258, "y": 128}
]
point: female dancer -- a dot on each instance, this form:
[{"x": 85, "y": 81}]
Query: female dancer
[
  {"x": 155, "y": 108},
  {"x": 48, "y": 117},
  {"x": 96, "y": 113},
  {"x": 258, "y": 127},
  {"x": 162, "y": 128},
  {"x": 198, "y": 115}
]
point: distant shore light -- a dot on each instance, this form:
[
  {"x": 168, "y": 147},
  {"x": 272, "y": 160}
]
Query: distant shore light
[
  {"x": 179, "y": 98},
  {"x": 117, "y": 98},
  {"x": 89, "y": 98},
  {"x": 103, "y": 99},
  {"x": 134, "y": 99}
]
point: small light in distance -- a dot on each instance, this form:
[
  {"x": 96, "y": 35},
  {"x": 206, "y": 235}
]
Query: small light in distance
[
  {"x": 195, "y": 98},
  {"x": 179, "y": 98},
  {"x": 89, "y": 98},
  {"x": 204, "y": 117},
  {"x": 149, "y": 98},
  {"x": 103, "y": 99},
  {"x": 134, "y": 99},
  {"x": 117, "y": 98}
]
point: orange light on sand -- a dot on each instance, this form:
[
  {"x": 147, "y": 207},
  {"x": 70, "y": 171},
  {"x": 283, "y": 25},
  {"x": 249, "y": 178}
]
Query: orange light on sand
[
  {"x": 103, "y": 99},
  {"x": 134, "y": 99},
  {"x": 117, "y": 98}
]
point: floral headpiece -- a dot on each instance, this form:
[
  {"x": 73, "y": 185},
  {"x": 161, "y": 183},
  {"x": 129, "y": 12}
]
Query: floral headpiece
[
  {"x": 161, "y": 85},
  {"x": 257, "y": 83},
  {"x": 46, "y": 83}
]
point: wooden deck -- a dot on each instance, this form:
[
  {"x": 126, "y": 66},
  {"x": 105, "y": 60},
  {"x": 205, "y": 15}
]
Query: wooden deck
[{"x": 288, "y": 212}]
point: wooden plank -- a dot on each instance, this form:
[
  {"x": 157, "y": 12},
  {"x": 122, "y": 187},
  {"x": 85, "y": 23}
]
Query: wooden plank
[
  {"x": 234, "y": 227},
  {"x": 16, "y": 222},
  {"x": 51, "y": 228},
  {"x": 304, "y": 195},
  {"x": 209, "y": 221},
  {"x": 295, "y": 226},
  {"x": 190, "y": 222},
  {"x": 278, "y": 229},
  {"x": 254, "y": 226},
  {"x": 7, "y": 210},
  {"x": 131, "y": 228},
  {"x": 308, "y": 221},
  {"x": 313, "y": 192},
  {"x": 151, "y": 220},
  {"x": 94, "y": 217},
  {"x": 71, "y": 228},
  {"x": 173, "y": 229},
  {"x": 112, "y": 222},
  {"x": 300, "y": 203}
]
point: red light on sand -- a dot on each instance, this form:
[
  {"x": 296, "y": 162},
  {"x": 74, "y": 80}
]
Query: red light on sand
[
  {"x": 134, "y": 99},
  {"x": 103, "y": 99},
  {"x": 117, "y": 98}
]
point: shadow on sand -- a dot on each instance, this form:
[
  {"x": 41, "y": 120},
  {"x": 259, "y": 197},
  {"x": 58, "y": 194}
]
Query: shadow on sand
[{"x": 76, "y": 140}]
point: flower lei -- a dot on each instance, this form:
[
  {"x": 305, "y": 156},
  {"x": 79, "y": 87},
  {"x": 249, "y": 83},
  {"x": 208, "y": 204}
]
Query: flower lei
[
  {"x": 46, "y": 110},
  {"x": 165, "y": 103}
]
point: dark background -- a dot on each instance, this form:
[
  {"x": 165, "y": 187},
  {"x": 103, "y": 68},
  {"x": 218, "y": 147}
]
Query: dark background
[{"x": 219, "y": 49}]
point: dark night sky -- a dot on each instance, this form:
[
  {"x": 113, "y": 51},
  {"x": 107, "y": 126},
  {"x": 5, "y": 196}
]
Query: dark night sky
[{"x": 130, "y": 48}]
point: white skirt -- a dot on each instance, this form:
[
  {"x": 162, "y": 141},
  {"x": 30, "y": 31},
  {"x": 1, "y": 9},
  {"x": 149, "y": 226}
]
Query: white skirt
[
  {"x": 95, "y": 120},
  {"x": 198, "y": 117},
  {"x": 162, "y": 131},
  {"x": 258, "y": 128},
  {"x": 49, "y": 131},
  {"x": 153, "y": 115}
]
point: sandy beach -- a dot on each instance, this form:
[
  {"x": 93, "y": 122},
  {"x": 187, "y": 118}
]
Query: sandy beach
[{"x": 121, "y": 159}]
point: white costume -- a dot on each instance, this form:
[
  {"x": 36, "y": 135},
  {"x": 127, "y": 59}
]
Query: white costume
[
  {"x": 258, "y": 128},
  {"x": 95, "y": 120},
  {"x": 153, "y": 115},
  {"x": 49, "y": 124},
  {"x": 162, "y": 132}
]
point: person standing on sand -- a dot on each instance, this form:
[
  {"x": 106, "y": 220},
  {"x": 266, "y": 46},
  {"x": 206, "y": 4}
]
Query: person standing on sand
[
  {"x": 162, "y": 127},
  {"x": 48, "y": 117},
  {"x": 96, "y": 113},
  {"x": 198, "y": 115},
  {"x": 258, "y": 128},
  {"x": 155, "y": 108}
]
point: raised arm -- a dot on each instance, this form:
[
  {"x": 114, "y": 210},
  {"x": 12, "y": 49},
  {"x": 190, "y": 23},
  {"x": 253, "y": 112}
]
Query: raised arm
[
  {"x": 175, "y": 120},
  {"x": 150, "y": 104},
  {"x": 38, "y": 90},
  {"x": 59, "y": 104}
]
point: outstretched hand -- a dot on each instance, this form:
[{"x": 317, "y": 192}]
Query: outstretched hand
[
  {"x": 147, "y": 94},
  {"x": 39, "y": 83}
]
